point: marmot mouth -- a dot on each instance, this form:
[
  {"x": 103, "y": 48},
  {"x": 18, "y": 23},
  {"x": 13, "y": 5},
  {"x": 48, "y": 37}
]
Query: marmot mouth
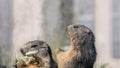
[
  {"x": 29, "y": 57},
  {"x": 31, "y": 53}
]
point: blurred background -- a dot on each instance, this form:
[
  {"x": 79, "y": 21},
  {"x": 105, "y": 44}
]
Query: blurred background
[{"x": 25, "y": 20}]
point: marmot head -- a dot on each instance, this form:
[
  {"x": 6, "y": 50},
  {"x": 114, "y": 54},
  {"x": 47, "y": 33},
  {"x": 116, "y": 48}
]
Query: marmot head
[
  {"x": 80, "y": 34},
  {"x": 40, "y": 48}
]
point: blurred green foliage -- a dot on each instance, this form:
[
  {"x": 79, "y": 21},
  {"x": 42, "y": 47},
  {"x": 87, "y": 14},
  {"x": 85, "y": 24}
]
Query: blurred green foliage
[{"x": 101, "y": 66}]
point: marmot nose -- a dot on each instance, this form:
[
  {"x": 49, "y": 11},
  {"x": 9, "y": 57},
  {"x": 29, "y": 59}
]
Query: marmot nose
[
  {"x": 68, "y": 27},
  {"x": 22, "y": 51}
]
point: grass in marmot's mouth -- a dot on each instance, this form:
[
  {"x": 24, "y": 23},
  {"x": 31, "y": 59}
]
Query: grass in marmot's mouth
[{"x": 29, "y": 57}]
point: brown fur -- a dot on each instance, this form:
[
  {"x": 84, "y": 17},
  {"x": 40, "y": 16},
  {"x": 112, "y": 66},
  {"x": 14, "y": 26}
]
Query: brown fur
[
  {"x": 82, "y": 53},
  {"x": 43, "y": 58}
]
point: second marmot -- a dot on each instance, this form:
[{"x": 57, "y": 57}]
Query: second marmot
[{"x": 82, "y": 53}]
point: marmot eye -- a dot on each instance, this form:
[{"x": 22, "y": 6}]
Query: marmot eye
[
  {"x": 33, "y": 46},
  {"x": 75, "y": 26}
]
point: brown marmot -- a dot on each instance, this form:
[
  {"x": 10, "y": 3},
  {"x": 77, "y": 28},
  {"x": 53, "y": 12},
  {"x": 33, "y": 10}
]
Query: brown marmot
[
  {"x": 42, "y": 55},
  {"x": 82, "y": 53}
]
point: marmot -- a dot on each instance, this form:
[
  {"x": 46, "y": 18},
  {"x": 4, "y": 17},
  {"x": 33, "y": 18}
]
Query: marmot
[
  {"x": 82, "y": 53},
  {"x": 43, "y": 55}
]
